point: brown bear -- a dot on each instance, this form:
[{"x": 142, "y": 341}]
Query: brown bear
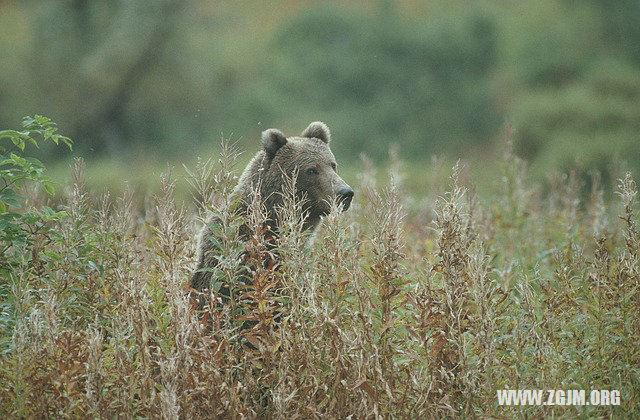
[{"x": 317, "y": 183}]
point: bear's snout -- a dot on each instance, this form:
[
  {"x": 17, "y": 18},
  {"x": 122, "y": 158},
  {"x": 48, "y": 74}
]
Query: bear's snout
[{"x": 344, "y": 197}]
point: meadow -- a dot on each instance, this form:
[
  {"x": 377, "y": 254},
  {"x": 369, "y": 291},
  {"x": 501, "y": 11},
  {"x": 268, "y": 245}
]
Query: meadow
[{"x": 404, "y": 306}]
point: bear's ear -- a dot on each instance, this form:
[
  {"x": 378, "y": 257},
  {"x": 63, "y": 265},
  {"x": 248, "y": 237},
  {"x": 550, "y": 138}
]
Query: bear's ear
[
  {"x": 272, "y": 140},
  {"x": 318, "y": 130}
]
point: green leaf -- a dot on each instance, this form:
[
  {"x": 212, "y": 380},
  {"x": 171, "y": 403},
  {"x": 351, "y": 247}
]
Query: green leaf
[
  {"x": 9, "y": 134},
  {"x": 28, "y": 122},
  {"x": 18, "y": 142},
  {"x": 67, "y": 141},
  {"x": 20, "y": 161},
  {"x": 10, "y": 198},
  {"x": 12, "y": 203},
  {"x": 49, "y": 189}
]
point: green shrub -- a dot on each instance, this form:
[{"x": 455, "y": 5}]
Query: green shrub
[
  {"x": 590, "y": 122},
  {"x": 382, "y": 78},
  {"x": 21, "y": 228},
  {"x": 17, "y": 171}
]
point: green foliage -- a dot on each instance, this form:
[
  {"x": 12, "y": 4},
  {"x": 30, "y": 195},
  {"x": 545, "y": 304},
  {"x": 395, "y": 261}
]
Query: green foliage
[
  {"x": 22, "y": 229},
  {"x": 621, "y": 29},
  {"x": 591, "y": 121},
  {"x": 16, "y": 171},
  {"x": 382, "y": 78},
  {"x": 547, "y": 48},
  {"x": 439, "y": 77},
  {"x": 575, "y": 84}
]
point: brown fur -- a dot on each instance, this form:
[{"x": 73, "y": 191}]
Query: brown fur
[{"x": 317, "y": 181}]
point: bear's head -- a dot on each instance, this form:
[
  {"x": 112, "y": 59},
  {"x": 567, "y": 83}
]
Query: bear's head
[{"x": 310, "y": 156}]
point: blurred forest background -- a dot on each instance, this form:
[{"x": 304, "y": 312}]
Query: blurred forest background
[{"x": 138, "y": 84}]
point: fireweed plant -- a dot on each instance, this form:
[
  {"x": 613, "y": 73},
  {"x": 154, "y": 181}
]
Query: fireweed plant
[{"x": 398, "y": 308}]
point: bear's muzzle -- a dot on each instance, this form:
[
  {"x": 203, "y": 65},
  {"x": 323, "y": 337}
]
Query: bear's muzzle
[{"x": 345, "y": 195}]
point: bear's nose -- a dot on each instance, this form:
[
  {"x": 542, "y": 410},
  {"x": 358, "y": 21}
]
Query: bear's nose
[{"x": 344, "y": 197}]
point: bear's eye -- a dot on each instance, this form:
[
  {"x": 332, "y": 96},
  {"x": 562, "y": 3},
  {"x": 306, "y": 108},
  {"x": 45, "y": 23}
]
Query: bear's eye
[
  {"x": 333, "y": 166},
  {"x": 312, "y": 171}
]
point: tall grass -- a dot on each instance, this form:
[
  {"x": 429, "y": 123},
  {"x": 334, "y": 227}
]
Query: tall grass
[{"x": 396, "y": 308}]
